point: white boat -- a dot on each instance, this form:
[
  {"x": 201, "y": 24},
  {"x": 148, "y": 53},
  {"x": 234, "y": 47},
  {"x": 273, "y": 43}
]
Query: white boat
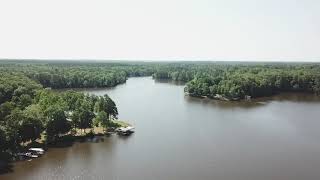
[
  {"x": 125, "y": 130},
  {"x": 38, "y": 151}
]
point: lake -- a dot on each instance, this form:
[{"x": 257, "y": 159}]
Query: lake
[{"x": 183, "y": 138}]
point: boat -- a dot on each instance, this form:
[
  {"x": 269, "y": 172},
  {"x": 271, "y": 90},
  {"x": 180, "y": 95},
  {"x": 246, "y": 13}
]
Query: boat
[
  {"x": 28, "y": 154},
  {"x": 125, "y": 130},
  {"x": 38, "y": 151},
  {"x": 31, "y": 155}
]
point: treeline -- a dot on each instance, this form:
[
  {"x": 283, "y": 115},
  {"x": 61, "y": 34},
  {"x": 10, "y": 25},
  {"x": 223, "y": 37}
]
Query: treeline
[
  {"x": 237, "y": 81},
  {"x": 77, "y": 75},
  {"x": 27, "y": 111},
  {"x": 233, "y": 80}
]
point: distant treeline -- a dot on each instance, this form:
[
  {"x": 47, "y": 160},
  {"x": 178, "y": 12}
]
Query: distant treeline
[
  {"x": 77, "y": 75},
  {"x": 236, "y": 81},
  {"x": 233, "y": 80},
  {"x": 28, "y": 110}
]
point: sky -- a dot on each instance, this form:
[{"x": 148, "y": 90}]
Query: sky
[{"x": 272, "y": 30}]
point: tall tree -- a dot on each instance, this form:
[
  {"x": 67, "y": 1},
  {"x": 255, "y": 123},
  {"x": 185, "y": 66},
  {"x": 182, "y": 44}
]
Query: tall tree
[
  {"x": 102, "y": 119},
  {"x": 107, "y": 105},
  {"x": 13, "y": 124},
  {"x": 57, "y": 123},
  {"x": 5, "y": 109},
  {"x": 111, "y": 108},
  {"x": 33, "y": 123},
  {"x": 82, "y": 116},
  {"x": 3, "y": 139}
]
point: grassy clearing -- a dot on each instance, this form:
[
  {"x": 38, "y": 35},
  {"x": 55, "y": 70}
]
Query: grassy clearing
[
  {"x": 101, "y": 130},
  {"x": 121, "y": 123}
]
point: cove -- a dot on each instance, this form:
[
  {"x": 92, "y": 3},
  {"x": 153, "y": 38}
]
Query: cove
[{"x": 180, "y": 137}]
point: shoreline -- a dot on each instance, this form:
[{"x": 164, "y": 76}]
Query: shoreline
[
  {"x": 261, "y": 98},
  {"x": 8, "y": 160}
]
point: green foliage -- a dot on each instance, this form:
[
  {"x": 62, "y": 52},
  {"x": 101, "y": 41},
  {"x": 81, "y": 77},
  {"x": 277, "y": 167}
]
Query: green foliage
[
  {"x": 57, "y": 123},
  {"x": 77, "y": 75},
  {"x": 30, "y": 128},
  {"x": 102, "y": 119},
  {"x": 3, "y": 139},
  {"x": 33, "y": 123},
  {"x": 235, "y": 81},
  {"x": 15, "y": 85},
  {"x": 13, "y": 125},
  {"x": 82, "y": 116},
  {"x": 27, "y": 109},
  {"x": 5, "y": 109},
  {"x": 72, "y": 99},
  {"x": 107, "y": 105}
]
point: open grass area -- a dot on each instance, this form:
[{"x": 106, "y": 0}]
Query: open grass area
[{"x": 121, "y": 123}]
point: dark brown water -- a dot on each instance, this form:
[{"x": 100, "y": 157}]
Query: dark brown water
[{"x": 183, "y": 138}]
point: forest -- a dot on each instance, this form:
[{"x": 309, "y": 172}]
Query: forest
[
  {"x": 30, "y": 109},
  {"x": 235, "y": 81},
  {"x": 76, "y": 75},
  {"x": 29, "y": 112}
]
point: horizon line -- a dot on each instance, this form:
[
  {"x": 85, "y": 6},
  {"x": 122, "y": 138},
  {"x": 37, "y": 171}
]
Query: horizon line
[{"x": 296, "y": 60}]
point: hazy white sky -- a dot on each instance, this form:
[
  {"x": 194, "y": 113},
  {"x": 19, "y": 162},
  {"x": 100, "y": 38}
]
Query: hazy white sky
[{"x": 162, "y": 29}]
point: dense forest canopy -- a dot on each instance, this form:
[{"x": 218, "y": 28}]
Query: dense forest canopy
[
  {"x": 28, "y": 108},
  {"x": 77, "y": 75},
  {"x": 229, "y": 79},
  {"x": 233, "y": 80},
  {"x": 236, "y": 81}
]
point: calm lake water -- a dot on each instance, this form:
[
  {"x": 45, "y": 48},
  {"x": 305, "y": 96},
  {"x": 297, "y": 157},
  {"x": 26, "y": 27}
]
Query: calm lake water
[{"x": 183, "y": 138}]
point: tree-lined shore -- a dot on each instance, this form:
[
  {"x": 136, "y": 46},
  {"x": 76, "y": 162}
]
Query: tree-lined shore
[
  {"x": 30, "y": 110},
  {"x": 240, "y": 80},
  {"x": 234, "y": 80}
]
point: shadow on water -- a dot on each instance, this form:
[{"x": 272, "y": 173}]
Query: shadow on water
[
  {"x": 57, "y": 152},
  {"x": 68, "y": 141},
  {"x": 95, "y": 139},
  {"x": 169, "y": 81},
  {"x": 125, "y": 137},
  {"x": 95, "y": 89},
  {"x": 5, "y": 167},
  {"x": 54, "y": 156},
  {"x": 62, "y": 142},
  {"x": 297, "y": 97},
  {"x": 225, "y": 104}
]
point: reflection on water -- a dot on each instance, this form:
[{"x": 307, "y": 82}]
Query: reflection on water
[
  {"x": 168, "y": 81},
  {"x": 225, "y": 104},
  {"x": 181, "y": 137},
  {"x": 283, "y": 97}
]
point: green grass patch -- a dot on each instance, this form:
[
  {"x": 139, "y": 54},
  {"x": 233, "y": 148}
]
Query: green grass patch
[{"x": 120, "y": 123}]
